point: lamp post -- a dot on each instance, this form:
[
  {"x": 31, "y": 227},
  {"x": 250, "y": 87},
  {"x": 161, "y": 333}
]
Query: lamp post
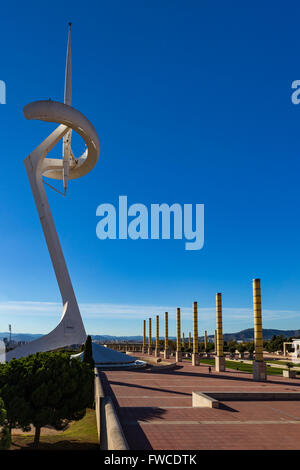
[
  {"x": 150, "y": 339},
  {"x": 166, "y": 351},
  {"x": 195, "y": 355},
  {"x": 178, "y": 342},
  {"x": 157, "y": 353},
  {"x": 144, "y": 337}
]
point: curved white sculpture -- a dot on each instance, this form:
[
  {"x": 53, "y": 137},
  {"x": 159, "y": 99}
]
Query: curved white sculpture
[{"x": 70, "y": 329}]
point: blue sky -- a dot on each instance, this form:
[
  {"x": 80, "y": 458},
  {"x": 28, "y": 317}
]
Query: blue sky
[{"x": 192, "y": 104}]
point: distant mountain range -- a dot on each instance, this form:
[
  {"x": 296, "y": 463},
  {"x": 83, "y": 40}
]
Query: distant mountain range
[
  {"x": 244, "y": 335},
  {"x": 20, "y": 336},
  {"x": 248, "y": 334}
]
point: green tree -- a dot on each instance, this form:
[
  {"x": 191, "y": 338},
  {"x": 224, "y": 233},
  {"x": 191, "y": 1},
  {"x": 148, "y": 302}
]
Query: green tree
[
  {"x": 2, "y": 412},
  {"x": 12, "y": 377},
  {"x": 45, "y": 389},
  {"x": 241, "y": 347},
  {"x": 276, "y": 343},
  {"x": 250, "y": 348},
  {"x": 5, "y": 439},
  {"x": 210, "y": 347},
  {"x": 88, "y": 352},
  {"x": 232, "y": 346}
]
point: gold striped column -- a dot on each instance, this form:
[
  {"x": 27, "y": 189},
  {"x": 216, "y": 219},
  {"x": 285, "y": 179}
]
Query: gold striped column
[
  {"x": 215, "y": 341},
  {"x": 259, "y": 367},
  {"x": 190, "y": 340},
  {"x": 178, "y": 342},
  {"x": 219, "y": 360},
  {"x": 219, "y": 325},
  {"x": 195, "y": 356},
  {"x": 157, "y": 353},
  {"x": 150, "y": 338},
  {"x": 258, "y": 338},
  {"x": 183, "y": 340},
  {"x": 166, "y": 351},
  {"x": 144, "y": 336}
]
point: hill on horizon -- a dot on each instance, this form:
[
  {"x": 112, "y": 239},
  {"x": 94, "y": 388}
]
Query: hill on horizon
[
  {"x": 268, "y": 333},
  {"x": 243, "y": 335}
]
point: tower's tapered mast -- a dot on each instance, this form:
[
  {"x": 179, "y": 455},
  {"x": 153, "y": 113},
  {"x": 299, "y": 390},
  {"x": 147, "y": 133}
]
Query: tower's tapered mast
[
  {"x": 67, "y": 151},
  {"x": 68, "y": 76}
]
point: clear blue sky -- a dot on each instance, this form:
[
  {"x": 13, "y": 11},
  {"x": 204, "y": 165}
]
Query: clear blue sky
[{"x": 191, "y": 101}]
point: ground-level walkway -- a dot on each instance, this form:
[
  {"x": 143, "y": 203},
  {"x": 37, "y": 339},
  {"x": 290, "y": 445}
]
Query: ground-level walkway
[{"x": 155, "y": 410}]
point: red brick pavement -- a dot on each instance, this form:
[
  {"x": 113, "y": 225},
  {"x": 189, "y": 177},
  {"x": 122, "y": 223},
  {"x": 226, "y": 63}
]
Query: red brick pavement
[{"x": 155, "y": 410}]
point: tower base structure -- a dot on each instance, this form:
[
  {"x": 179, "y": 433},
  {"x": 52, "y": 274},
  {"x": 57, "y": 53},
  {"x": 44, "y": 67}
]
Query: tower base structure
[
  {"x": 150, "y": 351},
  {"x": 220, "y": 363},
  {"x": 195, "y": 359},
  {"x": 108, "y": 359},
  {"x": 166, "y": 354},
  {"x": 156, "y": 353},
  {"x": 178, "y": 357},
  {"x": 259, "y": 371},
  {"x": 70, "y": 330}
]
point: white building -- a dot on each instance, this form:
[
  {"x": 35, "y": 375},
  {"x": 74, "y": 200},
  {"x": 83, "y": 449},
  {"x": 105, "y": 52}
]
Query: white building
[{"x": 296, "y": 352}]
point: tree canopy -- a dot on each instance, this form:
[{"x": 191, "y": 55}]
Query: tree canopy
[
  {"x": 276, "y": 343},
  {"x": 45, "y": 389},
  {"x": 241, "y": 347},
  {"x": 4, "y": 431},
  {"x": 88, "y": 352}
]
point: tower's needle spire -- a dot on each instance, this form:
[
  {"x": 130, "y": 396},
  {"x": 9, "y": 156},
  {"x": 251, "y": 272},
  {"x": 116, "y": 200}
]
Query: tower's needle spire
[
  {"x": 67, "y": 152},
  {"x": 68, "y": 77}
]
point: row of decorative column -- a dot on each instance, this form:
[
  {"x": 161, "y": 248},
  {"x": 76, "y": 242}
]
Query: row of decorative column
[
  {"x": 259, "y": 367},
  {"x": 180, "y": 342}
]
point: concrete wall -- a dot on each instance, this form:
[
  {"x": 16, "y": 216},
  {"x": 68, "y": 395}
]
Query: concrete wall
[
  {"x": 110, "y": 432},
  {"x": 99, "y": 395}
]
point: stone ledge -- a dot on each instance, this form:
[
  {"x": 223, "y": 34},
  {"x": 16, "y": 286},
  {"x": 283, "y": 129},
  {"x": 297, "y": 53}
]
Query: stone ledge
[
  {"x": 203, "y": 400},
  {"x": 213, "y": 399},
  {"x": 291, "y": 374}
]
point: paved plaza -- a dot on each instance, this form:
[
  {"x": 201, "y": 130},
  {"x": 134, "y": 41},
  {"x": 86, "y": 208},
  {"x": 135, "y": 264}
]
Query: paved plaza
[{"x": 155, "y": 410}]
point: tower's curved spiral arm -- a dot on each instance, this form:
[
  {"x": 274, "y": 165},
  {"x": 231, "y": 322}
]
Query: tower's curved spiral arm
[{"x": 69, "y": 118}]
